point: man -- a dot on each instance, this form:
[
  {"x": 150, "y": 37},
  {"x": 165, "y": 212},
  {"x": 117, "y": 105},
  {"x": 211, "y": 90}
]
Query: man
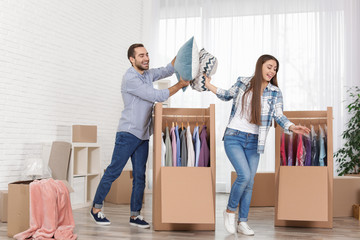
[{"x": 134, "y": 130}]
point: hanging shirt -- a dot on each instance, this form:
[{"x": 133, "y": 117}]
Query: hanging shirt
[
  {"x": 173, "y": 146},
  {"x": 163, "y": 151},
  {"x": 290, "y": 150},
  {"x": 168, "y": 154},
  {"x": 282, "y": 150},
  {"x": 183, "y": 153},
  {"x": 300, "y": 152},
  {"x": 322, "y": 153},
  {"x": 314, "y": 148},
  {"x": 307, "y": 146},
  {"x": 190, "y": 148},
  {"x": 178, "y": 157},
  {"x": 196, "y": 140},
  {"x": 204, "y": 157}
]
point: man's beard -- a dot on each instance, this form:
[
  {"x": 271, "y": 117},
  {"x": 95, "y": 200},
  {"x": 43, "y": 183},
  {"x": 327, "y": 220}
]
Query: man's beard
[{"x": 140, "y": 67}]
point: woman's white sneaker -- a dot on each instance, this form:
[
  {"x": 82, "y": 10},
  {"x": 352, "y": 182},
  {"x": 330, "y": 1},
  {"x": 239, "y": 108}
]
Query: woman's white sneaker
[
  {"x": 229, "y": 222},
  {"x": 244, "y": 228}
]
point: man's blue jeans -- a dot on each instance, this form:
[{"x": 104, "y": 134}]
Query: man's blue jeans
[
  {"x": 241, "y": 149},
  {"x": 126, "y": 145}
]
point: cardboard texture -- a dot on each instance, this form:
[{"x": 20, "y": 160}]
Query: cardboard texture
[
  {"x": 59, "y": 160},
  {"x": 3, "y": 205},
  {"x": 18, "y": 207},
  {"x": 183, "y": 197},
  {"x": 312, "y": 183},
  {"x": 121, "y": 188},
  {"x": 263, "y": 190},
  {"x": 189, "y": 200},
  {"x": 346, "y": 193},
  {"x": 304, "y": 194},
  {"x": 84, "y": 133},
  {"x": 356, "y": 211}
]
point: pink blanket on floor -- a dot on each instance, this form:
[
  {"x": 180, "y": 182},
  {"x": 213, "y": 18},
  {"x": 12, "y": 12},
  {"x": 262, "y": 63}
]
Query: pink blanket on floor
[{"x": 50, "y": 212}]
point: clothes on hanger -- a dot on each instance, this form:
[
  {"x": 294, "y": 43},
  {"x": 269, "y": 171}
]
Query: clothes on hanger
[
  {"x": 190, "y": 148},
  {"x": 204, "y": 156},
  {"x": 196, "y": 140},
  {"x": 322, "y": 152},
  {"x": 282, "y": 150},
  {"x": 163, "y": 150},
  {"x": 168, "y": 153},
  {"x": 183, "y": 150},
  {"x": 290, "y": 150},
  {"x": 173, "y": 145}
]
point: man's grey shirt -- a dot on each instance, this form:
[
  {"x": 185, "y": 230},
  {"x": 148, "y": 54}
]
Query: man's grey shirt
[{"x": 139, "y": 96}]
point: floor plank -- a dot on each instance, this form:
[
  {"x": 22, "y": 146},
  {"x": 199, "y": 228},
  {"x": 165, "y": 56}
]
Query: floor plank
[{"x": 261, "y": 219}]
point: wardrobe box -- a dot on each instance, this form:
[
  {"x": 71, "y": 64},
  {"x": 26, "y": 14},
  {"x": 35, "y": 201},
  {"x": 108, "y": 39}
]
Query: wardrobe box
[
  {"x": 346, "y": 193},
  {"x": 84, "y": 133},
  {"x": 19, "y": 206},
  {"x": 121, "y": 188},
  {"x": 263, "y": 189},
  {"x": 3, "y": 205}
]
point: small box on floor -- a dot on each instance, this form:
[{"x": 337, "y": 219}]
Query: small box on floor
[
  {"x": 3, "y": 205},
  {"x": 263, "y": 189},
  {"x": 356, "y": 211},
  {"x": 121, "y": 188}
]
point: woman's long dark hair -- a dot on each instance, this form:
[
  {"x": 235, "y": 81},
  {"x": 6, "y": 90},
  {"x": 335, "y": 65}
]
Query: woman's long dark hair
[{"x": 255, "y": 87}]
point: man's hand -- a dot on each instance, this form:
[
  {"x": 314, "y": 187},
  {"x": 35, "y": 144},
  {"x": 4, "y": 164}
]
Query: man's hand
[
  {"x": 183, "y": 83},
  {"x": 173, "y": 61}
]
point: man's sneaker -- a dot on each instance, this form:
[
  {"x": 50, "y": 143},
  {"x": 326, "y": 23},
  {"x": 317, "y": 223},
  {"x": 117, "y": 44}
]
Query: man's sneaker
[
  {"x": 229, "y": 222},
  {"x": 99, "y": 218},
  {"x": 139, "y": 222},
  {"x": 244, "y": 228}
]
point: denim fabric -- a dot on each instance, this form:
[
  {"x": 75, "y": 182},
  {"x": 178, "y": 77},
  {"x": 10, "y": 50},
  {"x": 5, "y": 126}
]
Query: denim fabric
[
  {"x": 126, "y": 145},
  {"x": 241, "y": 149},
  {"x": 178, "y": 149}
]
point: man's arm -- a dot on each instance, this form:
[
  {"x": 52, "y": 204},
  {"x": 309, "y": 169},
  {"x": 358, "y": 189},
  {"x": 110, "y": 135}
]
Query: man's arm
[{"x": 182, "y": 83}]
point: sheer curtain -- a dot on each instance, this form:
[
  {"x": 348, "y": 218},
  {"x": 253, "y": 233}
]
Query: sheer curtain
[{"x": 316, "y": 43}]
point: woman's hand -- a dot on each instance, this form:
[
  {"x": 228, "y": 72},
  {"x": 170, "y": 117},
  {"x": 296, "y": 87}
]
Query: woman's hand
[
  {"x": 298, "y": 129},
  {"x": 208, "y": 85}
]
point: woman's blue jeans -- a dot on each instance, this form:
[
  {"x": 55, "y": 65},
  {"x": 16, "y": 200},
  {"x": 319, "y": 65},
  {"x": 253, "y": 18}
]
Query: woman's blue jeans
[
  {"x": 126, "y": 146},
  {"x": 241, "y": 149}
]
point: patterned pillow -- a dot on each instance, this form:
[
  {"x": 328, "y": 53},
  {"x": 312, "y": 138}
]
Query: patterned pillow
[
  {"x": 208, "y": 65},
  {"x": 187, "y": 61}
]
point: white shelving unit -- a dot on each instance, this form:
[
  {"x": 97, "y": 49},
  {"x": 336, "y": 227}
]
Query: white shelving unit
[{"x": 84, "y": 173}]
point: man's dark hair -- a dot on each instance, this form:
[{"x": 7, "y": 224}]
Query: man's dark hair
[{"x": 131, "y": 50}]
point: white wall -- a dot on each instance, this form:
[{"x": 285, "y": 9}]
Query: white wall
[{"x": 61, "y": 63}]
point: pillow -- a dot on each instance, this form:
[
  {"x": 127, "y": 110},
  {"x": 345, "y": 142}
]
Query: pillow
[
  {"x": 187, "y": 61},
  {"x": 208, "y": 65}
]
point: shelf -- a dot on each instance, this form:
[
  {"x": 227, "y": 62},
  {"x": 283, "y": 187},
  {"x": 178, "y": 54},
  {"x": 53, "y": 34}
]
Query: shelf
[{"x": 84, "y": 173}]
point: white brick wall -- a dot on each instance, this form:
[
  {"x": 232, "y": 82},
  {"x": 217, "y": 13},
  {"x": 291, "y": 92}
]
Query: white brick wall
[{"x": 61, "y": 63}]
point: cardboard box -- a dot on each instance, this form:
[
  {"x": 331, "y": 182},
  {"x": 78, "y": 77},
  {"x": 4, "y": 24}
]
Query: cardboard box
[
  {"x": 84, "y": 133},
  {"x": 187, "y": 199},
  {"x": 356, "y": 211},
  {"x": 121, "y": 188},
  {"x": 18, "y": 207},
  {"x": 313, "y": 204},
  {"x": 263, "y": 189},
  {"x": 3, "y": 205},
  {"x": 346, "y": 193}
]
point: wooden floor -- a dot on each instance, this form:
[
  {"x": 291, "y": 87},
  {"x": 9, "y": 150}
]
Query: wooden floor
[{"x": 261, "y": 219}]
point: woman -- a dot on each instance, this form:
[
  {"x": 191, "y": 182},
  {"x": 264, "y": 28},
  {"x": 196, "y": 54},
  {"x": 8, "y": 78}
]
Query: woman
[{"x": 256, "y": 101}]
